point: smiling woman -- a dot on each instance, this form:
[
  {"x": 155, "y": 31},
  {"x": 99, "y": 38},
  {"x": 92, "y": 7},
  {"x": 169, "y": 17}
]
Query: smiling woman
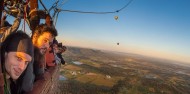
[{"x": 16, "y": 54}]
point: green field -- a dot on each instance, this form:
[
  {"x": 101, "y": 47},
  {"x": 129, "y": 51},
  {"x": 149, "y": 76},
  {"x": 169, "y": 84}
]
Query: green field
[{"x": 118, "y": 73}]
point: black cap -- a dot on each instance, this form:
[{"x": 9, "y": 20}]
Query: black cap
[{"x": 19, "y": 42}]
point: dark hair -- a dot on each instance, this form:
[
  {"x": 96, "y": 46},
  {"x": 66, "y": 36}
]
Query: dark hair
[
  {"x": 39, "y": 30},
  {"x": 11, "y": 44}
]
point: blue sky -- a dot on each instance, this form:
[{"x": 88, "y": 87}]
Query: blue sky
[{"x": 157, "y": 28}]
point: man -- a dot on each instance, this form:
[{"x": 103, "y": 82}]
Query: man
[
  {"x": 42, "y": 37},
  {"x": 16, "y": 53}
]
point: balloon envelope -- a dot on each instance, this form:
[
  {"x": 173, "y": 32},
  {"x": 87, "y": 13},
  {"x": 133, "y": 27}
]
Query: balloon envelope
[{"x": 116, "y": 17}]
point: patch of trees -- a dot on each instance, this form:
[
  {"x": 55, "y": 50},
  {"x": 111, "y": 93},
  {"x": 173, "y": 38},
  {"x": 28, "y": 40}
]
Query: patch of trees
[
  {"x": 107, "y": 70},
  {"x": 76, "y": 87},
  {"x": 146, "y": 86},
  {"x": 129, "y": 85}
]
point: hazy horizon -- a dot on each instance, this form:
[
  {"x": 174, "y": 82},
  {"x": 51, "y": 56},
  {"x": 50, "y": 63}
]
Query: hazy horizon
[{"x": 142, "y": 55}]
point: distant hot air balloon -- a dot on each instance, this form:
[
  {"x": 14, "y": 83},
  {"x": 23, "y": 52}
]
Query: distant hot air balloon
[
  {"x": 118, "y": 43},
  {"x": 116, "y": 17}
]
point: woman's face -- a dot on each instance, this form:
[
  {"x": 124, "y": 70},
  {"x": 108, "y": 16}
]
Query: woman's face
[{"x": 16, "y": 63}]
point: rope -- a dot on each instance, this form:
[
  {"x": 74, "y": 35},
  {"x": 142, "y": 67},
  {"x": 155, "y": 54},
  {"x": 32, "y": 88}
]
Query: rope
[
  {"x": 125, "y": 6},
  {"x": 25, "y": 15},
  {"x": 24, "y": 22},
  {"x": 56, "y": 19},
  {"x": 91, "y": 12}
]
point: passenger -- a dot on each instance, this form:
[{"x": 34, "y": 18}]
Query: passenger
[
  {"x": 61, "y": 49},
  {"x": 7, "y": 28},
  {"x": 56, "y": 50},
  {"x": 42, "y": 38},
  {"x": 16, "y": 54},
  {"x": 50, "y": 55}
]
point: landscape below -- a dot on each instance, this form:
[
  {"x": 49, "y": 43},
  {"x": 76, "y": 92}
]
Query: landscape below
[{"x": 89, "y": 71}]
